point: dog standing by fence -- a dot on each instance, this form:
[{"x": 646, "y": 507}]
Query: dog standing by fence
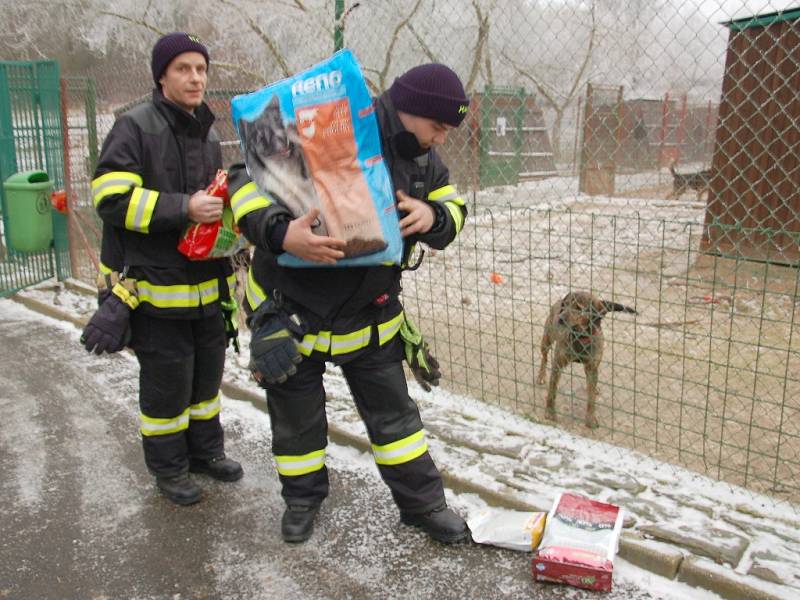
[
  {"x": 573, "y": 328},
  {"x": 699, "y": 181}
]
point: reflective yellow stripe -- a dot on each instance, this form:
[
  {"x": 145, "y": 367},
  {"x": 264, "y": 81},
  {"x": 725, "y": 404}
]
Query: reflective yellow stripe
[
  {"x": 254, "y": 293},
  {"x": 114, "y": 182},
  {"x": 448, "y": 195},
  {"x": 140, "y": 210},
  {"x": 387, "y": 330},
  {"x": 105, "y": 269},
  {"x": 154, "y": 426},
  {"x": 300, "y": 465},
  {"x": 458, "y": 216},
  {"x": 178, "y": 296},
  {"x": 401, "y": 451},
  {"x": 247, "y": 199},
  {"x": 321, "y": 342},
  {"x": 232, "y": 283},
  {"x": 203, "y": 411},
  {"x": 325, "y": 341},
  {"x": 350, "y": 342},
  {"x": 443, "y": 193}
]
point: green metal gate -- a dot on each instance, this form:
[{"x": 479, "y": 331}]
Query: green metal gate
[
  {"x": 31, "y": 138},
  {"x": 502, "y": 111}
]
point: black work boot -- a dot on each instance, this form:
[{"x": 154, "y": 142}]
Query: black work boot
[
  {"x": 442, "y": 524},
  {"x": 180, "y": 489},
  {"x": 298, "y": 522},
  {"x": 221, "y": 468}
]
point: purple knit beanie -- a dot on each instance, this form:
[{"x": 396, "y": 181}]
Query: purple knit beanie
[
  {"x": 433, "y": 91},
  {"x": 170, "y": 46}
]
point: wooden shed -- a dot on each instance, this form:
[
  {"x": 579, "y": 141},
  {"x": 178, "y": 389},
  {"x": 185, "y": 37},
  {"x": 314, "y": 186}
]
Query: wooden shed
[{"x": 754, "y": 204}]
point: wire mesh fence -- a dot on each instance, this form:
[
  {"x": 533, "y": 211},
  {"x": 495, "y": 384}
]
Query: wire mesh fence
[{"x": 645, "y": 152}]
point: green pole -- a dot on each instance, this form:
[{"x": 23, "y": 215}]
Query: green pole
[{"x": 338, "y": 31}]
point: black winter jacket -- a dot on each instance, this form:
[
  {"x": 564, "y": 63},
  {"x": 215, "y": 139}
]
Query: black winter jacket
[
  {"x": 343, "y": 298},
  {"x": 158, "y": 148}
]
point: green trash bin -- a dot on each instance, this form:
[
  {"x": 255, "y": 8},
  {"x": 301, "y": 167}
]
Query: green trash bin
[{"x": 30, "y": 214}]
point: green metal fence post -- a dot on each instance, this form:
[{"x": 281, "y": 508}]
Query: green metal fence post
[{"x": 338, "y": 30}]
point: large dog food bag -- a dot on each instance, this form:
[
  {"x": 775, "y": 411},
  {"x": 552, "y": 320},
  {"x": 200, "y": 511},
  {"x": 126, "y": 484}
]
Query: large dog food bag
[
  {"x": 579, "y": 543},
  {"x": 312, "y": 141}
]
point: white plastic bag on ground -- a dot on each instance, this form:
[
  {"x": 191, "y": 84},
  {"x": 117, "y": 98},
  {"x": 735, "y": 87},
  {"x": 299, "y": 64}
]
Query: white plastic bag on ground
[{"x": 512, "y": 529}]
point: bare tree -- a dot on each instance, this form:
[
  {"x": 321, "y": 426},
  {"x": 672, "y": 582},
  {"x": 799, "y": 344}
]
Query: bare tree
[{"x": 559, "y": 98}]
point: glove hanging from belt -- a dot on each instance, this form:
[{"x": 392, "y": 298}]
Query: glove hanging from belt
[
  {"x": 230, "y": 314},
  {"x": 109, "y": 328},
  {"x": 274, "y": 350},
  {"x": 422, "y": 363}
]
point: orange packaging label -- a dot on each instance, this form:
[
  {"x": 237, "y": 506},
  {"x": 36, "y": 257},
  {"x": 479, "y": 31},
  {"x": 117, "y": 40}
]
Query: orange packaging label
[{"x": 329, "y": 145}]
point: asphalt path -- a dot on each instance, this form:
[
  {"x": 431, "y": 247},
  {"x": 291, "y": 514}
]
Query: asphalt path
[{"x": 81, "y": 517}]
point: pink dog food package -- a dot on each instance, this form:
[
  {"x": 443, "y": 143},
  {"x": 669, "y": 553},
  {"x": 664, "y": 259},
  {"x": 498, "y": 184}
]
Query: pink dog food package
[{"x": 579, "y": 543}]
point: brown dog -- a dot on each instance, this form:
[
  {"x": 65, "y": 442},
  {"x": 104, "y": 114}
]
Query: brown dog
[
  {"x": 699, "y": 182},
  {"x": 573, "y": 326}
]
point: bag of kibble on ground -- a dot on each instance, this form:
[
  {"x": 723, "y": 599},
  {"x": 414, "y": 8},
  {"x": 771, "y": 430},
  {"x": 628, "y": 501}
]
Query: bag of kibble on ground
[
  {"x": 312, "y": 141},
  {"x": 202, "y": 241},
  {"x": 579, "y": 543}
]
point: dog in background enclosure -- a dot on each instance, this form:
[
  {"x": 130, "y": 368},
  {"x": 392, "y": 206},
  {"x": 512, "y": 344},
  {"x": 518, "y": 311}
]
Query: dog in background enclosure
[
  {"x": 699, "y": 181},
  {"x": 573, "y": 330}
]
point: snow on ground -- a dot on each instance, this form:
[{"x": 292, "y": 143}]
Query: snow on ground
[{"x": 252, "y": 424}]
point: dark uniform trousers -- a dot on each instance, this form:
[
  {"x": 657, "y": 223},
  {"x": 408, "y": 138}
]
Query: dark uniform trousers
[
  {"x": 181, "y": 363},
  {"x": 380, "y": 392}
]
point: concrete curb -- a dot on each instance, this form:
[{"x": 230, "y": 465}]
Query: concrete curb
[{"x": 657, "y": 557}]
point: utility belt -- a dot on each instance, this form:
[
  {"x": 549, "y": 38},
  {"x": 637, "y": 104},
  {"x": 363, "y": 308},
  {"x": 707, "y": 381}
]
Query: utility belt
[{"x": 114, "y": 282}]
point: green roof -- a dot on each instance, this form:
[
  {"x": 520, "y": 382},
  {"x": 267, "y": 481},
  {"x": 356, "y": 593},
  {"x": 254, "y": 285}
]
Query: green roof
[{"x": 789, "y": 14}]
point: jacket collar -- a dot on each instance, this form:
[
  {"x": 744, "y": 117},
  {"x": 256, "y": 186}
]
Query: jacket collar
[
  {"x": 392, "y": 130},
  {"x": 179, "y": 119}
]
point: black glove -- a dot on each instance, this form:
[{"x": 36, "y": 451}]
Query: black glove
[
  {"x": 274, "y": 351},
  {"x": 109, "y": 328},
  {"x": 230, "y": 314},
  {"x": 422, "y": 363}
]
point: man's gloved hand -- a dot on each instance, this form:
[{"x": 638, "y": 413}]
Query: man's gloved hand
[
  {"x": 230, "y": 314},
  {"x": 109, "y": 328},
  {"x": 274, "y": 351},
  {"x": 422, "y": 363}
]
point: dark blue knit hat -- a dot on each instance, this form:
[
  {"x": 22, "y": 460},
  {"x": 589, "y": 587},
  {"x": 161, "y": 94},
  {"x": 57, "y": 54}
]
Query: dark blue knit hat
[
  {"x": 170, "y": 46},
  {"x": 433, "y": 91}
]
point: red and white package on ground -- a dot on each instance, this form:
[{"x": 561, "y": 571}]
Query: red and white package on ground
[{"x": 580, "y": 540}]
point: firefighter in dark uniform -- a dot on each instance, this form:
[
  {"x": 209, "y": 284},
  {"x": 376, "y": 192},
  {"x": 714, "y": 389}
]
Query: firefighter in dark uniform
[
  {"x": 148, "y": 186},
  {"x": 351, "y": 316}
]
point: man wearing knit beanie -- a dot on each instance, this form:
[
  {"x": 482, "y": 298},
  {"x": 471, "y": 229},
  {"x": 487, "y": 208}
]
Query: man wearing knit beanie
[
  {"x": 341, "y": 304},
  {"x": 180, "y": 68},
  {"x": 149, "y": 185}
]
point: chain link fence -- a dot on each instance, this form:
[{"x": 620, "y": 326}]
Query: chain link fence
[{"x": 645, "y": 152}]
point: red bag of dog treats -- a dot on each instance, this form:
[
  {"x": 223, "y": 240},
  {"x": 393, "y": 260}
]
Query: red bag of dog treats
[
  {"x": 202, "y": 241},
  {"x": 579, "y": 543}
]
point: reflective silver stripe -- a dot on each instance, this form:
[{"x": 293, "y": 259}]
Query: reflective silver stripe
[
  {"x": 387, "y": 330},
  {"x": 300, "y": 465},
  {"x": 253, "y": 292},
  {"x": 401, "y": 451},
  {"x": 178, "y": 296},
  {"x": 458, "y": 216},
  {"x": 341, "y": 344},
  {"x": 206, "y": 410},
  {"x": 140, "y": 210},
  {"x": 451, "y": 196},
  {"x": 157, "y": 426},
  {"x": 247, "y": 199},
  {"x": 114, "y": 182}
]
